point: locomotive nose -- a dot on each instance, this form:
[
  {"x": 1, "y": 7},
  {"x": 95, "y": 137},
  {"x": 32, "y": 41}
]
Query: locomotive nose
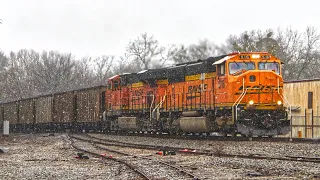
[{"x": 267, "y": 78}]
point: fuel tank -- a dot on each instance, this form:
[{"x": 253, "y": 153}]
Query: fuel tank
[
  {"x": 194, "y": 124},
  {"x": 127, "y": 123}
]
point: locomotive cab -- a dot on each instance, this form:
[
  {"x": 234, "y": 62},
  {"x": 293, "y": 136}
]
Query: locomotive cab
[{"x": 255, "y": 89}]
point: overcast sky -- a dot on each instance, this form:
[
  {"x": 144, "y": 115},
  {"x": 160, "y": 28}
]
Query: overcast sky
[{"x": 96, "y": 27}]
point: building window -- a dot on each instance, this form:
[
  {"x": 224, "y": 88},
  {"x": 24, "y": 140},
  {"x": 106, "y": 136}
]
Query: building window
[{"x": 310, "y": 100}]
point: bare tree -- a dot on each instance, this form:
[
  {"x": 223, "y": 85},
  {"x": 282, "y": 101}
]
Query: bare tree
[
  {"x": 54, "y": 71},
  {"x": 28, "y": 73},
  {"x": 180, "y": 54},
  {"x": 124, "y": 65},
  {"x": 165, "y": 57},
  {"x": 203, "y": 50},
  {"x": 17, "y": 81},
  {"x": 4, "y": 61},
  {"x": 102, "y": 66},
  {"x": 83, "y": 75},
  {"x": 145, "y": 50},
  {"x": 243, "y": 42},
  {"x": 290, "y": 43},
  {"x": 308, "y": 52}
]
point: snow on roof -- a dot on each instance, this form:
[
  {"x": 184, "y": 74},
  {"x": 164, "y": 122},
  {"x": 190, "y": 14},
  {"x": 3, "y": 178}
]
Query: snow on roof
[
  {"x": 175, "y": 66},
  {"x": 223, "y": 60},
  {"x": 194, "y": 64},
  {"x": 113, "y": 77},
  {"x": 142, "y": 71}
]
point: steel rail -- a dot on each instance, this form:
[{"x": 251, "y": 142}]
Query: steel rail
[{"x": 142, "y": 174}]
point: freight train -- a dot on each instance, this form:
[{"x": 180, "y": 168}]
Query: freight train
[{"x": 237, "y": 93}]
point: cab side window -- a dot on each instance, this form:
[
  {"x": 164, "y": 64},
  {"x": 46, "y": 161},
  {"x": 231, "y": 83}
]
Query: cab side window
[
  {"x": 115, "y": 85},
  {"x": 110, "y": 85},
  {"x": 221, "y": 69}
]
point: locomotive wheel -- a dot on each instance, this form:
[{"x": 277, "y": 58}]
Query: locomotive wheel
[
  {"x": 176, "y": 132},
  {"x": 234, "y": 134},
  {"x": 244, "y": 135}
]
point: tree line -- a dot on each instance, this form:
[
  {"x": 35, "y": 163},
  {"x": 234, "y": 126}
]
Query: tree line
[{"x": 28, "y": 73}]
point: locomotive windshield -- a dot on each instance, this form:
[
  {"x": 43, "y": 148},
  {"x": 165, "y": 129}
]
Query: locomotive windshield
[
  {"x": 273, "y": 66},
  {"x": 237, "y": 66}
]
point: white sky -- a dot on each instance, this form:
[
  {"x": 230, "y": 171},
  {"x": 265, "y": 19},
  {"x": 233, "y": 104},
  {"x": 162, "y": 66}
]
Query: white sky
[{"x": 96, "y": 27}]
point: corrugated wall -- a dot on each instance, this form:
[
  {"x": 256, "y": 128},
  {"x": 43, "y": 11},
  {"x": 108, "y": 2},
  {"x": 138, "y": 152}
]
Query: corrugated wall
[
  {"x": 302, "y": 119},
  {"x": 297, "y": 95}
]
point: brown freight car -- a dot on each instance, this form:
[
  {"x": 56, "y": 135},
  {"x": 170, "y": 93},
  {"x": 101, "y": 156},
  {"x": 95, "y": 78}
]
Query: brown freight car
[
  {"x": 77, "y": 110},
  {"x": 63, "y": 110},
  {"x": 26, "y": 114},
  {"x": 43, "y": 112},
  {"x": 89, "y": 107},
  {"x": 10, "y": 113}
]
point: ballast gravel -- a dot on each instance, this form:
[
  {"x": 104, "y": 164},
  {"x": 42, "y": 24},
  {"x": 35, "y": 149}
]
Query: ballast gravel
[
  {"x": 38, "y": 156},
  {"x": 210, "y": 167}
]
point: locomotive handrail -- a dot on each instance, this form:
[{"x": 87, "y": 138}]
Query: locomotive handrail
[
  {"x": 151, "y": 107},
  {"x": 241, "y": 93},
  {"x": 234, "y": 108},
  {"x": 235, "y": 105},
  {"x": 237, "y": 102},
  {"x": 157, "y": 107}
]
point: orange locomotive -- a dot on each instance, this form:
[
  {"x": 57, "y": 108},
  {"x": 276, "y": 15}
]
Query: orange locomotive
[{"x": 234, "y": 93}]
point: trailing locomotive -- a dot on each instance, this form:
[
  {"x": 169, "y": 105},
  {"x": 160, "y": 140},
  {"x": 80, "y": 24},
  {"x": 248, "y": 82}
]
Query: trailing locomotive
[{"x": 235, "y": 93}]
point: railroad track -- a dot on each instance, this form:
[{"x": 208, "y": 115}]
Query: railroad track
[
  {"x": 222, "y": 138},
  {"x": 130, "y": 166},
  {"x": 155, "y": 164},
  {"x": 109, "y": 142}
]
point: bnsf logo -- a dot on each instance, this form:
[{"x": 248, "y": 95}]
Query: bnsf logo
[
  {"x": 137, "y": 93},
  {"x": 264, "y": 89},
  {"x": 197, "y": 88}
]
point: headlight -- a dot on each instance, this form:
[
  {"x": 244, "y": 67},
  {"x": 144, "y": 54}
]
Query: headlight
[
  {"x": 251, "y": 102},
  {"x": 279, "y": 103}
]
